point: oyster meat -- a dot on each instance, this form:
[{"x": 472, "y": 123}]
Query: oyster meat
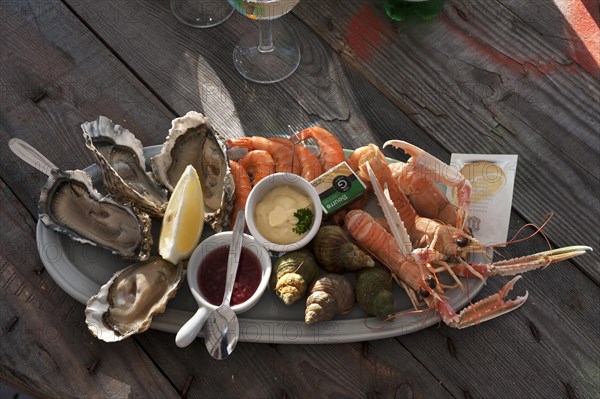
[
  {"x": 69, "y": 204},
  {"x": 192, "y": 141},
  {"x": 126, "y": 304},
  {"x": 121, "y": 159}
]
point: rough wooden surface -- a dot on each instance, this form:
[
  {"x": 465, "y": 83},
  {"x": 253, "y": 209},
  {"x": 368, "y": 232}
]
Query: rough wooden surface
[
  {"x": 46, "y": 348},
  {"x": 485, "y": 77},
  {"x": 489, "y": 77}
]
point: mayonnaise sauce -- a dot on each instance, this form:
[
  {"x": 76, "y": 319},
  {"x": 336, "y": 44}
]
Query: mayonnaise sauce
[{"x": 274, "y": 214}]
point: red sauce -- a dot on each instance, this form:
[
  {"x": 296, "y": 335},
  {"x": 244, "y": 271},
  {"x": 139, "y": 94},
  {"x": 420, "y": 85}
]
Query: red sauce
[{"x": 212, "y": 276}]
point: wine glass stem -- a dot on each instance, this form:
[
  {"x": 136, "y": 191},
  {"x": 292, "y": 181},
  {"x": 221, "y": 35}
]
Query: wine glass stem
[{"x": 265, "y": 33}]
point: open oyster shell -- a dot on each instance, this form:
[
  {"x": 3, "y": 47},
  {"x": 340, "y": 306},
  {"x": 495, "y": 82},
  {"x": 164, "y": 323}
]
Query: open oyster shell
[
  {"x": 121, "y": 159},
  {"x": 69, "y": 204},
  {"x": 126, "y": 304},
  {"x": 192, "y": 141}
]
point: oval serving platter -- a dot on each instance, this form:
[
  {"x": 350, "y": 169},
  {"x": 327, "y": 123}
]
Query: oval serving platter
[{"x": 80, "y": 270}]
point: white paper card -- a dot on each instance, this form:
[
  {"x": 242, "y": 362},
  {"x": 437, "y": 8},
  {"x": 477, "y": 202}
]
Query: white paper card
[{"x": 492, "y": 178}]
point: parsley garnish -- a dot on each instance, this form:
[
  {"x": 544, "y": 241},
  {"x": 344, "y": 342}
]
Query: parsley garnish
[{"x": 305, "y": 219}]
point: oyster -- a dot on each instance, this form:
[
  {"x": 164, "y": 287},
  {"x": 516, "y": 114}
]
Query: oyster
[
  {"x": 126, "y": 304},
  {"x": 69, "y": 204},
  {"x": 121, "y": 159},
  {"x": 192, "y": 141}
]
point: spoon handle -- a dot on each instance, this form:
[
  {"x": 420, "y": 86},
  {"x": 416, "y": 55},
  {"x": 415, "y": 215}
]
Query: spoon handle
[
  {"x": 191, "y": 328},
  {"x": 233, "y": 260},
  {"x": 32, "y": 156}
]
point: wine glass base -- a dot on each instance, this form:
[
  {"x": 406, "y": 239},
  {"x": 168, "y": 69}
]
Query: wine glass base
[
  {"x": 270, "y": 66},
  {"x": 201, "y": 13}
]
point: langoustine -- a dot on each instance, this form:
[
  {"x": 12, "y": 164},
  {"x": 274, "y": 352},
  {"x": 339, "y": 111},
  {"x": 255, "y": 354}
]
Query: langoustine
[
  {"x": 417, "y": 179},
  {"x": 420, "y": 281},
  {"x": 445, "y": 240},
  {"x": 417, "y": 277}
]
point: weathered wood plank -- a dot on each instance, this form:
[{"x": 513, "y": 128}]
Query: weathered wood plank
[
  {"x": 151, "y": 44},
  {"x": 377, "y": 368},
  {"x": 336, "y": 91},
  {"x": 553, "y": 293},
  {"x": 46, "y": 348},
  {"x": 554, "y": 327},
  {"x": 56, "y": 75},
  {"x": 200, "y": 75},
  {"x": 371, "y": 118},
  {"x": 480, "y": 78},
  {"x": 559, "y": 295}
]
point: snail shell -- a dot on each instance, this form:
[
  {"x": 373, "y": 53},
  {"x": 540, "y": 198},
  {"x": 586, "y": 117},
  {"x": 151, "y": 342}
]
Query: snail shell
[
  {"x": 336, "y": 253},
  {"x": 330, "y": 295}
]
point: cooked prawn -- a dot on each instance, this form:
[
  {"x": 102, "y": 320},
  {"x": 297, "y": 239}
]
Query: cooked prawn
[
  {"x": 331, "y": 152},
  {"x": 357, "y": 160},
  {"x": 309, "y": 162},
  {"x": 242, "y": 189},
  {"x": 259, "y": 164},
  {"x": 281, "y": 154}
]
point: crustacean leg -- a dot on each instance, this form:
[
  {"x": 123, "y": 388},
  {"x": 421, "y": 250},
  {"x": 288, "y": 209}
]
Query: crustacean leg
[
  {"x": 416, "y": 277},
  {"x": 523, "y": 264},
  {"x": 483, "y": 310},
  {"x": 496, "y": 305}
]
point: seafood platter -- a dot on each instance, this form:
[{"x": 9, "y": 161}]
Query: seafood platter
[{"x": 390, "y": 258}]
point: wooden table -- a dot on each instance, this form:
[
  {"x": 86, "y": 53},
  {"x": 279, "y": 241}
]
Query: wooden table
[{"x": 498, "y": 76}]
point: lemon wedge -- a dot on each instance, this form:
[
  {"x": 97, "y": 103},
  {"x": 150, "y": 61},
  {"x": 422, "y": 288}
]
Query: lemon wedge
[{"x": 184, "y": 219}]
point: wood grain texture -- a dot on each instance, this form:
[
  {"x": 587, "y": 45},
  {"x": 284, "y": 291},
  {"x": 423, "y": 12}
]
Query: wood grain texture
[
  {"x": 132, "y": 61},
  {"x": 372, "y": 117},
  {"x": 187, "y": 71},
  {"x": 46, "y": 348},
  {"x": 560, "y": 294},
  {"x": 554, "y": 327},
  {"x": 55, "y": 76},
  {"x": 362, "y": 369},
  {"x": 485, "y": 78}
]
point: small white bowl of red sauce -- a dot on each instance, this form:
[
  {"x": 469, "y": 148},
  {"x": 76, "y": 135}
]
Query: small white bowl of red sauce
[
  {"x": 283, "y": 212},
  {"x": 206, "y": 275}
]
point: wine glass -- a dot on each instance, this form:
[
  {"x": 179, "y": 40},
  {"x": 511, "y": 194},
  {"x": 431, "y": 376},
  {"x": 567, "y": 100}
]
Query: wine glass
[
  {"x": 201, "y": 13},
  {"x": 277, "y": 53}
]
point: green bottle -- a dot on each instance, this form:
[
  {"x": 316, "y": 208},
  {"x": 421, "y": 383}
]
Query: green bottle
[{"x": 399, "y": 10}]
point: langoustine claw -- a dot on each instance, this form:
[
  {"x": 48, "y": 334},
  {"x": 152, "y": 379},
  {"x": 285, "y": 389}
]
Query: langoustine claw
[
  {"x": 483, "y": 310},
  {"x": 496, "y": 305}
]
